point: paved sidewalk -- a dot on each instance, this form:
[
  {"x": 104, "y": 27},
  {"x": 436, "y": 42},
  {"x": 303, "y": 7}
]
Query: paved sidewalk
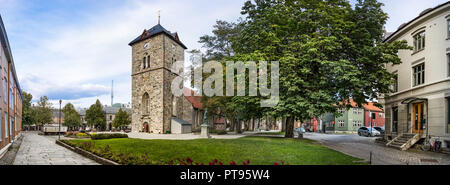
[
  {"x": 361, "y": 147},
  {"x": 42, "y": 150}
]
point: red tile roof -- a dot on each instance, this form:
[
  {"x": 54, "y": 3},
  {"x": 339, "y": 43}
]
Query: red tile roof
[
  {"x": 196, "y": 101},
  {"x": 371, "y": 106}
]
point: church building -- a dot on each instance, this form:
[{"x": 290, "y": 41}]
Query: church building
[{"x": 154, "y": 108}]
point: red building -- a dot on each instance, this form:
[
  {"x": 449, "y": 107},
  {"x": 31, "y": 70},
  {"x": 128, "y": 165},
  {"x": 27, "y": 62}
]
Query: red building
[{"x": 377, "y": 119}]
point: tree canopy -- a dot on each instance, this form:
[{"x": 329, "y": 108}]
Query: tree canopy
[
  {"x": 43, "y": 112},
  {"x": 122, "y": 119},
  {"x": 328, "y": 53},
  {"x": 71, "y": 116},
  {"x": 95, "y": 116},
  {"x": 28, "y": 113}
]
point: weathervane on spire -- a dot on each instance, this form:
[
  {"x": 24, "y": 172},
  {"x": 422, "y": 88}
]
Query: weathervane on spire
[{"x": 159, "y": 16}]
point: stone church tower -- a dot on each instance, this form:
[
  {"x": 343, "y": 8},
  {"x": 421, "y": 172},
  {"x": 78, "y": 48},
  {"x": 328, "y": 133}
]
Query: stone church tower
[{"x": 153, "y": 105}]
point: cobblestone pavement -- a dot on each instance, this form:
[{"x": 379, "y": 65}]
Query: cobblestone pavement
[
  {"x": 361, "y": 147},
  {"x": 42, "y": 150}
]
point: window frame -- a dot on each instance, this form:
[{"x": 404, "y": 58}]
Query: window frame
[
  {"x": 395, "y": 87},
  {"x": 448, "y": 64},
  {"x": 341, "y": 123},
  {"x": 418, "y": 75},
  {"x": 6, "y": 125},
  {"x": 448, "y": 28},
  {"x": 394, "y": 122},
  {"x": 448, "y": 115},
  {"x": 419, "y": 41}
]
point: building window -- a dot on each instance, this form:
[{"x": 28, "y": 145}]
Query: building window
[
  {"x": 419, "y": 74},
  {"x": 341, "y": 123},
  {"x": 395, "y": 119},
  {"x": 395, "y": 83},
  {"x": 381, "y": 115},
  {"x": 11, "y": 127},
  {"x": 448, "y": 115},
  {"x": 148, "y": 61},
  {"x": 144, "y": 63},
  {"x": 448, "y": 65},
  {"x": 6, "y": 125},
  {"x": 448, "y": 28},
  {"x": 145, "y": 104},
  {"x": 341, "y": 111},
  {"x": 419, "y": 41},
  {"x": 5, "y": 89}
]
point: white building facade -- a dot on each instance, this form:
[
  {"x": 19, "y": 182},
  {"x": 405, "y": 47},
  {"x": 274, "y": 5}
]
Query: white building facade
[{"x": 421, "y": 101}]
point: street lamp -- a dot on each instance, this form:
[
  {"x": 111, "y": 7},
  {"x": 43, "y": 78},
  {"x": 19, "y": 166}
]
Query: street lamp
[{"x": 59, "y": 129}]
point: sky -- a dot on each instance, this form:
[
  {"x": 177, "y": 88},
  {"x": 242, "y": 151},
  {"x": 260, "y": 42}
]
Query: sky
[{"x": 73, "y": 49}]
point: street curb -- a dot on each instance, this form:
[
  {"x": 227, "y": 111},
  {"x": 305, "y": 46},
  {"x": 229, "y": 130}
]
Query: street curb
[{"x": 87, "y": 154}]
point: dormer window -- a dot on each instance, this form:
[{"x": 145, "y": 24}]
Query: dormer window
[{"x": 419, "y": 41}]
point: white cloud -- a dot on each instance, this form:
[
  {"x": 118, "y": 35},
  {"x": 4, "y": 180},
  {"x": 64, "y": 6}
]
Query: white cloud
[{"x": 82, "y": 58}]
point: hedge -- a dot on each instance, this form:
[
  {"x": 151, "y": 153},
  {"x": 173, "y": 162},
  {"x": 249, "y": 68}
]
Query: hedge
[{"x": 107, "y": 136}]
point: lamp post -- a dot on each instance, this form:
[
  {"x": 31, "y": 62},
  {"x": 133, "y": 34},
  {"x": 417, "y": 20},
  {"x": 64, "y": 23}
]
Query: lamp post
[{"x": 59, "y": 129}]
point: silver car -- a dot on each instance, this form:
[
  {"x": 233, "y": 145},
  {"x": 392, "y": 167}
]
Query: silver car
[{"x": 368, "y": 132}]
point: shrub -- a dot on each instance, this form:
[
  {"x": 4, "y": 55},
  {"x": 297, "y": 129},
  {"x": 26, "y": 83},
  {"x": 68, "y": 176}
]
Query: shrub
[
  {"x": 107, "y": 136},
  {"x": 223, "y": 132},
  {"x": 81, "y": 135}
]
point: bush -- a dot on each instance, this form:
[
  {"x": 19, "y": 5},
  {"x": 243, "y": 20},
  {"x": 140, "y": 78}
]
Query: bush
[
  {"x": 107, "y": 136},
  {"x": 82, "y": 135}
]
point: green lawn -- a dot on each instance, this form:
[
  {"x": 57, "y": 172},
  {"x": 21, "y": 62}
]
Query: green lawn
[{"x": 259, "y": 150}]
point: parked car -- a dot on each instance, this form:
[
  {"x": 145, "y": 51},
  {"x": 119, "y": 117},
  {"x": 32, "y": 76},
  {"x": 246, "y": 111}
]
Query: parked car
[
  {"x": 367, "y": 131},
  {"x": 300, "y": 129},
  {"x": 379, "y": 129}
]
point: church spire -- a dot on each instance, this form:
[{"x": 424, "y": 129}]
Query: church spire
[{"x": 159, "y": 16}]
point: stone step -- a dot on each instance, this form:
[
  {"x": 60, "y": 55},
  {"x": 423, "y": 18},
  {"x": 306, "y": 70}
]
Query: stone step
[
  {"x": 397, "y": 143},
  {"x": 402, "y": 140}
]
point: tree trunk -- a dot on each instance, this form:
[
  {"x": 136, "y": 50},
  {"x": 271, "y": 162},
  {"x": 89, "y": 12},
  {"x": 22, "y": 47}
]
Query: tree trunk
[
  {"x": 290, "y": 127},
  {"x": 283, "y": 124}
]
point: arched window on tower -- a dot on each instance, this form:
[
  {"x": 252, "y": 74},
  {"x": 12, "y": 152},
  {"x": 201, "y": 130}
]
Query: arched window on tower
[
  {"x": 145, "y": 104},
  {"x": 174, "y": 106},
  {"x": 148, "y": 61},
  {"x": 144, "y": 63}
]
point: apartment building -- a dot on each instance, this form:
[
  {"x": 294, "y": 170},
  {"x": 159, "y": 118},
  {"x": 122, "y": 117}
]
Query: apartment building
[
  {"x": 10, "y": 95},
  {"x": 420, "y": 106}
]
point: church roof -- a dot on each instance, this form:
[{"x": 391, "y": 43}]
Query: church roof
[
  {"x": 196, "y": 101},
  {"x": 156, "y": 30}
]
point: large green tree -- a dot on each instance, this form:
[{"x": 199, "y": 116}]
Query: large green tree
[
  {"x": 122, "y": 119},
  {"x": 28, "y": 113},
  {"x": 328, "y": 51},
  {"x": 95, "y": 116},
  {"x": 71, "y": 117},
  {"x": 219, "y": 45},
  {"x": 43, "y": 111}
]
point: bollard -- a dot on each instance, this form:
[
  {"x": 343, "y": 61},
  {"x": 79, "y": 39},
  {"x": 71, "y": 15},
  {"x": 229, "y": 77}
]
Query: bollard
[{"x": 370, "y": 158}]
